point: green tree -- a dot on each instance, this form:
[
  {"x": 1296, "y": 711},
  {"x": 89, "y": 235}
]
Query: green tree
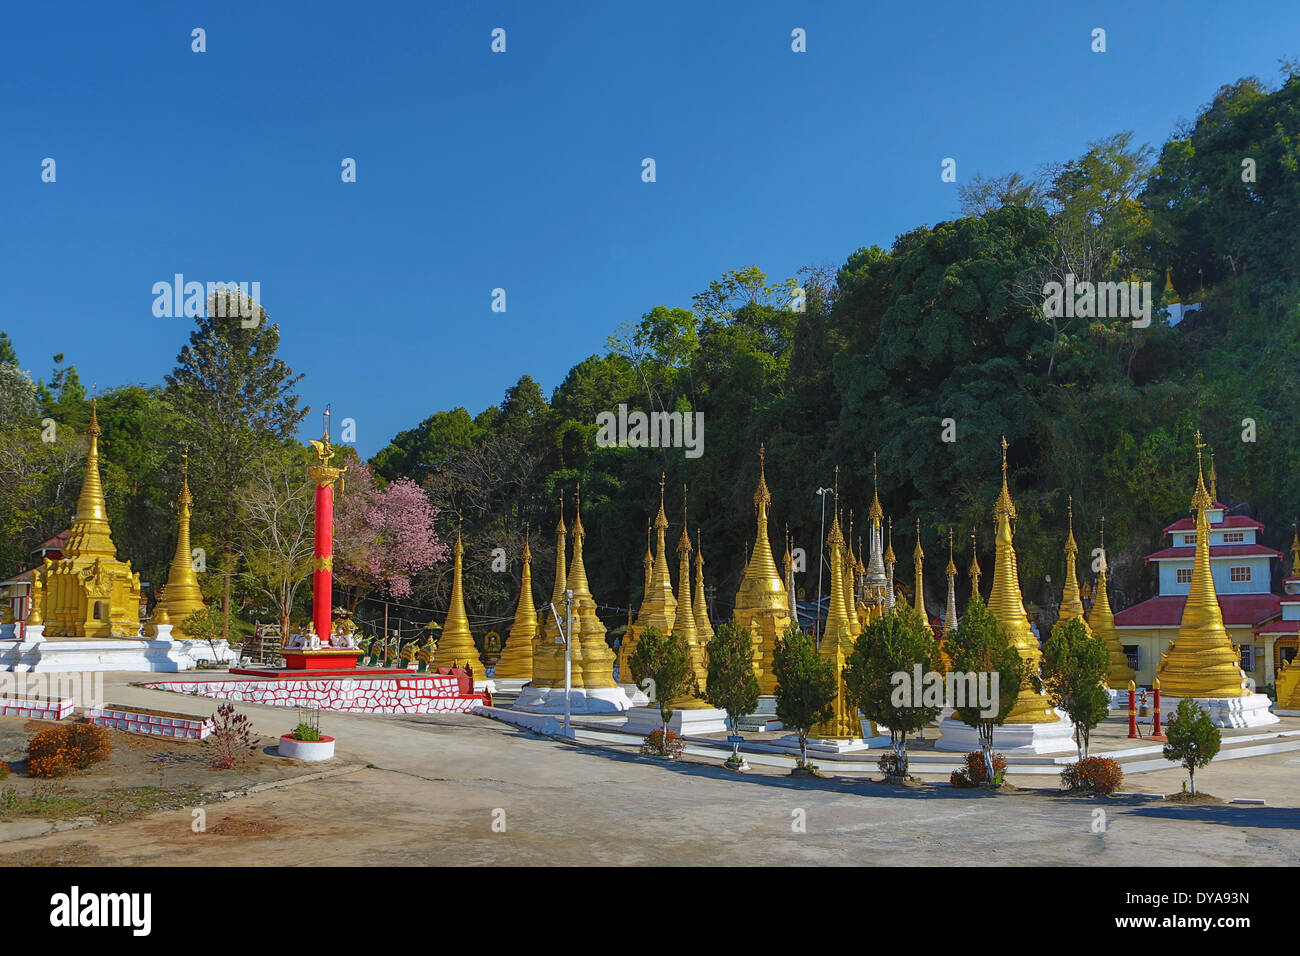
[
  {"x": 64, "y": 398},
  {"x": 7, "y": 354},
  {"x": 980, "y": 646},
  {"x": 889, "y": 646},
  {"x": 805, "y": 686},
  {"x": 665, "y": 660},
  {"x": 1074, "y": 666},
  {"x": 731, "y": 684},
  {"x": 236, "y": 404},
  {"x": 1193, "y": 740}
]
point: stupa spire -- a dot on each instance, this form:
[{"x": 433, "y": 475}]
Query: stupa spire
[
  {"x": 658, "y": 605},
  {"x": 1202, "y": 661},
  {"x": 456, "y": 645},
  {"x": 850, "y": 565},
  {"x": 90, "y": 535},
  {"x": 548, "y": 655},
  {"x": 516, "y": 660},
  {"x": 761, "y": 603},
  {"x": 974, "y": 569},
  {"x": 1295, "y": 549},
  {"x": 918, "y": 570},
  {"x": 1102, "y": 621},
  {"x": 837, "y": 643},
  {"x": 684, "y": 626},
  {"x": 890, "y": 563},
  {"x": 1008, "y": 606},
  {"x": 790, "y": 595},
  {"x": 597, "y": 659},
  {"x": 703, "y": 627},
  {"x": 1071, "y": 602},
  {"x": 182, "y": 594},
  {"x": 950, "y": 613}
]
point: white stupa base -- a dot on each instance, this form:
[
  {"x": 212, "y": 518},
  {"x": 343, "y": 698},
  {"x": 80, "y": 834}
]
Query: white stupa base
[
  {"x": 636, "y": 695},
  {"x": 832, "y": 745},
  {"x": 1049, "y": 738},
  {"x": 642, "y": 721},
  {"x": 205, "y": 651},
  {"x": 101, "y": 654},
  {"x": 582, "y": 700},
  {"x": 1252, "y": 711},
  {"x": 511, "y": 685}
]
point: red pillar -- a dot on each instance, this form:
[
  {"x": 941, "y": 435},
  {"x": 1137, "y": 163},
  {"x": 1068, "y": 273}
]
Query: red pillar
[
  {"x": 1132, "y": 710},
  {"x": 322, "y": 581}
]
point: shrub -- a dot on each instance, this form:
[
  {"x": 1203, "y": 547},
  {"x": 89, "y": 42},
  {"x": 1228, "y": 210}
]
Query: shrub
[
  {"x": 306, "y": 732},
  {"x": 4, "y": 769},
  {"x": 655, "y": 745},
  {"x": 60, "y": 750},
  {"x": 889, "y": 764},
  {"x": 232, "y": 740},
  {"x": 1093, "y": 775},
  {"x": 972, "y": 775}
]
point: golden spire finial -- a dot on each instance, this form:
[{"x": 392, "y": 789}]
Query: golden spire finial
[
  {"x": 952, "y": 565},
  {"x": 1295, "y": 548},
  {"x": 1071, "y": 546},
  {"x": 1004, "y": 505},
  {"x": 974, "y": 569},
  {"x": 559, "y": 527},
  {"x": 528, "y": 552},
  {"x": 918, "y": 558},
  {"x": 889, "y": 547},
  {"x": 577, "y": 512},
  {"x": 917, "y": 552},
  {"x": 876, "y": 514},
  {"x": 762, "y": 496},
  {"x": 685, "y": 540},
  {"x": 1201, "y": 499}
]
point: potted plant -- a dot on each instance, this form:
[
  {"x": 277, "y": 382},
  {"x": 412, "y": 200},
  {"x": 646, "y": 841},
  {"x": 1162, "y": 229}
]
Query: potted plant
[{"x": 306, "y": 742}]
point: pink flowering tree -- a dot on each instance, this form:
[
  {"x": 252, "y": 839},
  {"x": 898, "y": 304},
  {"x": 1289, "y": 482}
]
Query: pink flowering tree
[{"x": 382, "y": 536}]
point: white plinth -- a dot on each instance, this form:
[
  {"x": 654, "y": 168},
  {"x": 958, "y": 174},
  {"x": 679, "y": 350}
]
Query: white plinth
[
  {"x": 308, "y": 750},
  {"x": 510, "y": 685},
  {"x": 582, "y": 700},
  {"x": 203, "y": 650},
  {"x": 1049, "y": 738},
  {"x": 1252, "y": 711},
  {"x": 71, "y": 655},
  {"x": 832, "y": 745},
  {"x": 636, "y": 695},
  {"x": 643, "y": 721}
]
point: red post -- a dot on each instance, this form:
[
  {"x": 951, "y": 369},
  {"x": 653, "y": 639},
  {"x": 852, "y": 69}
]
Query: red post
[
  {"x": 1132, "y": 710},
  {"x": 322, "y": 582},
  {"x": 1155, "y": 731}
]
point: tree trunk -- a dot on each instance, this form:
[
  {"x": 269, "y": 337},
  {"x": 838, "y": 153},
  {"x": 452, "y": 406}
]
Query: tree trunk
[
  {"x": 225, "y": 598},
  {"x": 1191, "y": 773}
]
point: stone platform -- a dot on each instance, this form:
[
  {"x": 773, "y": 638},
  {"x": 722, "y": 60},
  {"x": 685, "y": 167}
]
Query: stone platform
[
  {"x": 406, "y": 694},
  {"x": 582, "y": 700},
  {"x": 1048, "y": 738}
]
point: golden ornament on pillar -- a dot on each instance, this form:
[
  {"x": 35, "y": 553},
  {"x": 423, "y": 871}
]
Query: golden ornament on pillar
[
  {"x": 88, "y": 592},
  {"x": 516, "y": 661},
  {"x": 1008, "y": 606},
  {"x": 761, "y": 603},
  {"x": 1202, "y": 661}
]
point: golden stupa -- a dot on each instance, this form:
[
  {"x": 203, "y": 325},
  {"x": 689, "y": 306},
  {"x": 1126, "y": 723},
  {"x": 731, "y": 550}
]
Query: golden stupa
[
  {"x": 597, "y": 659},
  {"x": 456, "y": 643},
  {"x": 88, "y": 592},
  {"x": 974, "y": 569},
  {"x": 1071, "y": 602},
  {"x": 1102, "y": 621},
  {"x": 791, "y": 595},
  {"x": 548, "y": 652},
  {"x": 950, "y": 610},
  {"x": 516, "y": 661},
  {"x": 1008, "y": 606},
  {"x": 182, "y": 596},
  {"x": 761, "y": 602},
  {"x": 837, "y": 644},
  {"x": 849, "y": 566},
  {"x": 891, "y": 562},
  {"x": 875, "y": 579},
  {"x": 918, "y": 571},
  {"x": 684, "y": 626},
  {"x": 703, "y": 627},
  {"x": 658, "y": 605},
  {"x": 1202, "y": 661}
]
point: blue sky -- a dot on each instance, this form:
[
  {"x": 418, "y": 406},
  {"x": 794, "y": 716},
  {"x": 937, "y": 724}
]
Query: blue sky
[{"x": 522, "y": 170}]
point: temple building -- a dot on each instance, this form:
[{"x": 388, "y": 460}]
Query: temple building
[
  {"x": 1241, "y": 569},
  {"x": 761, "y": 602}
]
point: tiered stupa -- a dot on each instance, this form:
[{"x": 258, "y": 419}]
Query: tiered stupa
[
  {"x": 516, "y": 661},
  {"x": 1288, "y": 673},
  {"x": 761, "y": 602},
  {"x": 974, "y": 569},
  {"x": 597, "y": 658},
  {"x": 877, "y": 587},
  {"x": 791, "y": 595},
  {"x": 848, "y": 570},
  {"x": 88, "y": 592},
  {"x": 456, "y": 643},
  {"x": 1032, "y": 726},
  {"x": 703, "y": 627},
  {"x": 1071, "y": 602},
  {"x": 182, "y": 596},
  {"x": 837, "y": 645},
  {"x": 684, "y": 626},
  {"x": 658, "y": 605},
  {"x": 891, "y": 562},
  {"x": 918, "y": 571},
  {"x": 1202, "y": 662},
  {"x": 1102, "y": 621}
]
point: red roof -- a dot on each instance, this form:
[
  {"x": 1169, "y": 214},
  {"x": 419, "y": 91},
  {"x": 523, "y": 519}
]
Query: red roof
[
  {"x": 1187, "y": 552},
  {"x": 57, "y": 543},
  {"x": 1229, "y": 521},
  {"x": 1239, "y": 610},
  {"x": 1279, "y": 627}
]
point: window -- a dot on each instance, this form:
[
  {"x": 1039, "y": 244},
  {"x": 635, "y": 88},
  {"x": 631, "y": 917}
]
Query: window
[
  {"x": 1183, "y": 576},
  {"x": 1131, "y": 652},
  {"x": 1189, "y": 539},
  {"x": 99, "y": 611},
  {"x": 1247, "y": 657},
  {"x": 1234, "y": 537},
  {"x": 1239, "y": 574}
]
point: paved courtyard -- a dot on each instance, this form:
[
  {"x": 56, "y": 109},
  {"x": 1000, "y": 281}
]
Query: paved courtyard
[{"x": 467, "y": 790}]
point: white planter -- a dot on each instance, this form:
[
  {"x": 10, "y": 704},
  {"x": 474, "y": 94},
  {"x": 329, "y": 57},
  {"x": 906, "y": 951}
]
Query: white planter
[{"x": 322, "y": 749}]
